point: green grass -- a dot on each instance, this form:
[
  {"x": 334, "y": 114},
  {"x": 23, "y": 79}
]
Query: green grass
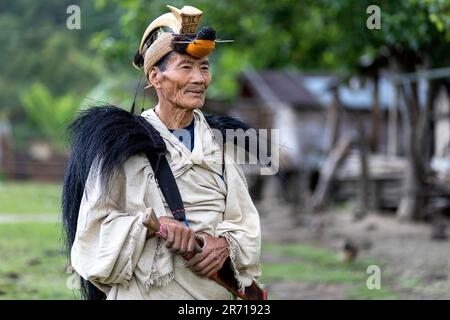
[
  {"x": 29, "y": 198},
  {"x": 411, "y": 283},
  {"x": 316, "y": 265},
  {"x": 309, "y": 273},
  {"x": 32, "y": 265},
  {"x": 362, "y": 293}
]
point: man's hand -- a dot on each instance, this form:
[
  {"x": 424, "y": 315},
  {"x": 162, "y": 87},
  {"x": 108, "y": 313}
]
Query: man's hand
[
  {"x": 180, "y": 239},
  {"x": 211, "y": 259}
]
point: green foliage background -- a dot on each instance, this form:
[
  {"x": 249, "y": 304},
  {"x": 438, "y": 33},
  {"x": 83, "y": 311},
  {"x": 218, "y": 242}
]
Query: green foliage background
[{"x": 94, "y": 64}]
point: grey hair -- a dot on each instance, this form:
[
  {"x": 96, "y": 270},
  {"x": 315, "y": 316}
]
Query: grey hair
[{"x": 162, "y": 63}]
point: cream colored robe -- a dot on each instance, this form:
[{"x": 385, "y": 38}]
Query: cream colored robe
[{"x": 111, "y": 249}]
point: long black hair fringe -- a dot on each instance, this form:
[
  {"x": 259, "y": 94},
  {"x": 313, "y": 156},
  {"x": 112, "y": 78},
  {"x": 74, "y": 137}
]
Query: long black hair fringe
[
  {"x": 223, "y": 123},
  {"x": 109, "y": 136}
]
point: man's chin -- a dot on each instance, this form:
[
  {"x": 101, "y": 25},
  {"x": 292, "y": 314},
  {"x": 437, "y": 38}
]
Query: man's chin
[{"x": 196, "y": 104}]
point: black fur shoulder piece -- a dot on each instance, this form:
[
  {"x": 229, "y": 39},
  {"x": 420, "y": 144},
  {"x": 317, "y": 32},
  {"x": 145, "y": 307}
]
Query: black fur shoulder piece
[
  {"x": 110, "y": 136},
  {"x": 222, "y": 123}
]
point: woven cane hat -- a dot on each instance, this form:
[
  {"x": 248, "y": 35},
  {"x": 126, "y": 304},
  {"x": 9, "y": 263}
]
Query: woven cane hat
[{"x": 158, "y": 38}]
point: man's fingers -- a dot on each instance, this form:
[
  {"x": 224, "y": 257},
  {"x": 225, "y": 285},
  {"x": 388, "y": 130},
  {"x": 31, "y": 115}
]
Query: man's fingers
[
  {"x": 210, "y": 267},
  {"x": 196, "y": 259},
  {"x": 210, "y": 273},
  {"x": 201, "y": 239},
  {"x": 184, "y": 241},
  {"x": 199, "y": 256},
  {"x": 201, "y": 265},
  {"x": 170, "y": 238},
  {"x": 180, "y": 240},
  {"x": 177, "y": 240},
  {"x": 191, "y": 242}
]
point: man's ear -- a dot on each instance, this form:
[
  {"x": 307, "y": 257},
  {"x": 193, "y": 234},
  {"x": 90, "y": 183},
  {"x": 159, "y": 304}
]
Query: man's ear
[{"x": 153, "y": 78}]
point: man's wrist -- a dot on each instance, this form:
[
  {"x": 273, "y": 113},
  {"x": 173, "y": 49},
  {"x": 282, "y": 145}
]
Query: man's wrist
[{"x": 225, "y": 244}]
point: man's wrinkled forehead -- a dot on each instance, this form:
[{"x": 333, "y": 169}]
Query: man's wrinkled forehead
[{"x": 178, "y": 58}]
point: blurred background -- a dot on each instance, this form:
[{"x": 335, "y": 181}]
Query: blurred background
[{"x": 359, "y": 90}]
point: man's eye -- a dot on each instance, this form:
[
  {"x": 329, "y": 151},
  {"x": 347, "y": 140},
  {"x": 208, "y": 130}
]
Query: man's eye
[
  {"x": 186, "y": 67},
  {"x": 205, "y": 68}
]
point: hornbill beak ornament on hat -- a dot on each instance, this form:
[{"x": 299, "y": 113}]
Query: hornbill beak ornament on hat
[{"x": 175, "y": 31}]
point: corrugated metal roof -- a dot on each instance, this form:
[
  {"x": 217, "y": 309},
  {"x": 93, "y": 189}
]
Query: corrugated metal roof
[
  {"x": 313, "y": 90},
  {"x": 285, "y": 87}
]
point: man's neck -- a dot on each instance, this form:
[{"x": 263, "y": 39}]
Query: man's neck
[{"x": 174, "y": 117}]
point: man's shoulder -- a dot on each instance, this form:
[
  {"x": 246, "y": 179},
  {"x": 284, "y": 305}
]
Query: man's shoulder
[
  {"x": 224, "y": 122},
  {"x": 110, "y": 136}
]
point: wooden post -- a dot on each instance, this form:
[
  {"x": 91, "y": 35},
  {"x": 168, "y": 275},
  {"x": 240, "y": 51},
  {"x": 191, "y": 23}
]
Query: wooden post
[
  {"x": 376, "y": 115},
  {"x": 392, "y": 143},
  {"x": 412, "y": 202},
  {"x": 364, "y": 173},
  {"x": 327, "y": 172},
  {"x": 332, "y": 126}
]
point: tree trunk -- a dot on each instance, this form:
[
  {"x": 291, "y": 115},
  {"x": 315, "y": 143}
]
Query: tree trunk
[
  {"x": 412, "y": 202},
  {"x": 376, "y": 116},
  {"x": 327, "y": 172},
  {"x": 393, "y": 131},
  {"x": 424, "y": 127},
  {"x": 364, "y": 173},
  {"x": 413, "y": 199},
  {"x": 333, "y": 119}
]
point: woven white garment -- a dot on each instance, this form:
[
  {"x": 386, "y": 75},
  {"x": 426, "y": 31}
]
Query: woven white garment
[{"x": 110, "y": 248}]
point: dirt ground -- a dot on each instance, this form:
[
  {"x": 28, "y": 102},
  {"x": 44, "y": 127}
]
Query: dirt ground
[{"x": 413, "y": 265}]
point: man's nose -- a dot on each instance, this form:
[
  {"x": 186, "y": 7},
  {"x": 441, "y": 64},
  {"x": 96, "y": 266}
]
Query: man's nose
[{"x": 197, "y": 76}]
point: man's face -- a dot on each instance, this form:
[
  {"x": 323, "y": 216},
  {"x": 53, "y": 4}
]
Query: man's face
[{"x": 184, "y": 82}]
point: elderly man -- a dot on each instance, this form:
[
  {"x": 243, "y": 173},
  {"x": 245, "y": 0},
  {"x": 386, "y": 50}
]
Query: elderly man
[{"x": 112, "y": 185}]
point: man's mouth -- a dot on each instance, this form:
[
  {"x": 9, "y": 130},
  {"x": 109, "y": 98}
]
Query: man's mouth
[{"x": 196, "y": 91}]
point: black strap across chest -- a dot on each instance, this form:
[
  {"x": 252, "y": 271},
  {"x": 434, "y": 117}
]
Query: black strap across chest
[{"x": 168, "y": 185}]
